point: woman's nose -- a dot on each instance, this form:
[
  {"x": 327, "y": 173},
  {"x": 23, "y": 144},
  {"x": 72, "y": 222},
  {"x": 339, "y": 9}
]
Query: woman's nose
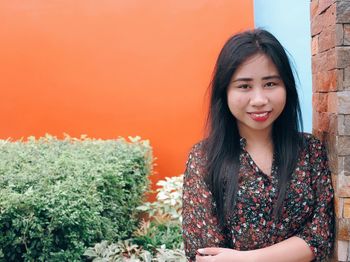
[{"x": 258, "y": 98}]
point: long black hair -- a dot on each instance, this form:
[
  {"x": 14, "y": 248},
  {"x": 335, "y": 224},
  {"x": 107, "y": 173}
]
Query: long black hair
[{"x": 222, "y": 144}]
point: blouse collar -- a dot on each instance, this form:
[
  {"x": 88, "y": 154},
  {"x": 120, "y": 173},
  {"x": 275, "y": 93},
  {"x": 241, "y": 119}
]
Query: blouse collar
[{"x": 243, "y": 143}]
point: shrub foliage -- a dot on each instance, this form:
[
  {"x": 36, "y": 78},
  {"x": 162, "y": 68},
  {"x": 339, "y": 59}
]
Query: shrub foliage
[
  {"x": 58, "y": 197},
  {"x": 158, "y": 237}
]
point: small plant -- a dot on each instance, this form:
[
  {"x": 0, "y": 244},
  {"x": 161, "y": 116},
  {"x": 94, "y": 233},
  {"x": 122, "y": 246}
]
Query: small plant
[
  {"x": 126, "y": 251},
  {"x": 123, "y": 250},
  {"x": 169, "y": 200},
  {"x": 158, "y": 238},
  {"x": 163, "y": 229},
  {"x": 155, "y": 235},
  {"x": 170, "y": 255}
]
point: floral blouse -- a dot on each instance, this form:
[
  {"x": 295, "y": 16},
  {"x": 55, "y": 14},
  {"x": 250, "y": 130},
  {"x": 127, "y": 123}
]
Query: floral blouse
[{"x": 307, "y": 212}]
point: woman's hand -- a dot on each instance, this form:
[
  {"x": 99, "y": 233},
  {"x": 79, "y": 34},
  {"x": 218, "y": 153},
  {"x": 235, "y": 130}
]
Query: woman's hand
[{"x": 216, "y": 254}]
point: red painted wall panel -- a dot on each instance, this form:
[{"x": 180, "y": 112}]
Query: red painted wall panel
[{"x": 112, "y": 68}]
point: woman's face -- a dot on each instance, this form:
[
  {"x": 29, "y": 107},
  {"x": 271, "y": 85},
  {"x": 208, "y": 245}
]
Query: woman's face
[{"x": 256, "y": 94}]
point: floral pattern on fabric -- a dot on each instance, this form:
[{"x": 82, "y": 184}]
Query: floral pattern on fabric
[{"x": 307, "y": 212}]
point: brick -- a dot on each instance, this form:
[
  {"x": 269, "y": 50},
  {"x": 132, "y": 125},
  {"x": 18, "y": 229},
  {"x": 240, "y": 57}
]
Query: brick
[
  {"x": 343, "y": 12},
  {"x": 343, "y": 56},
  {"x": 346, "y": 208},
  {"x": 313, "y": 8},
  {"x": 324, "y": 121},
  {"x": 325, "y": 81},
  {"x": 329, "y": 16},
  {"x": 332, "y": 102},
  {"x": 324, "y": 61},
  {"x": 318, "y": 61},
  {"x": 324, "y": 4},
  {"x": 327, "y": 140},
  {"x": 315, "y": 120},
  {"x": 335, "y": 183},
  {"x": 333, "y": 158},
  {"x": 346, "y": 78},
  {"x": 333, "y": 124},
  {"x": 320, "y": 102},
  {"x": 340, "y": 163},
  {"x": 343, "y": 146},
  {"x": 343, "y": 102},
  {"x": 323, "y": 20},
  {"x": 316, "y": 25},
  {"x": 341, "y": 125},
  {"x": 340, "y": 79},
  {"x": 338, "y": 206},
  {"x": 346, "y": 34},
  {"x": 330, "y": 59},
  {"x": 342, "y": 250},
  {"x": 339, "y": 34},
  {"x": 320, "y": 121},
  {"x": 314, "y": 81},
  {"x": 344, "y": 229},
  {"x": 346, "y": 126},
  {"x": 327, "y": 38},
  {"x": 333, "y": 163},
  {"x": 344, "y": 165},
  {"x": 343, "y": 184},
  {"x": 314, "y": 45}
]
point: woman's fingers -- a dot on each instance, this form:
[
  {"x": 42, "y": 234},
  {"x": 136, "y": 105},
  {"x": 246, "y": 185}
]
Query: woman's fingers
[
  {"x": 211, "y": 251},
  {"x": 214, "y": 254}
]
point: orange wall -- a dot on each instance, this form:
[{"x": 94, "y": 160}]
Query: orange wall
[{"x": 112, "y": 68}]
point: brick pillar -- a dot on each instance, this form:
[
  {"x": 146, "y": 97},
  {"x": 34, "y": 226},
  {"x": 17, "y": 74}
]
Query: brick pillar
[{"x": 330, "y": 30}]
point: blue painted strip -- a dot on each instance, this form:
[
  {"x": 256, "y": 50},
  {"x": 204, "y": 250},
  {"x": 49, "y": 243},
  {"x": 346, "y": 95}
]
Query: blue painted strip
[{"x": 289, "y": 21}]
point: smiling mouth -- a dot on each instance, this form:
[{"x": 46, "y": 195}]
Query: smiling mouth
[{"x": 260, "y": 116}]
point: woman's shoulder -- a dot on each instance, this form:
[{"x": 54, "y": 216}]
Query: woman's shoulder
[
  {"x": 196, "y": 162},
  {"x": 311, "y": 143},
  {"x": 198, "y": 149},
  {"x": 310, "y": 138}
]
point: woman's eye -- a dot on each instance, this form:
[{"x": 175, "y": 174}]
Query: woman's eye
[
  {"x": 270, "y": 84},
  {"x": 243, "y": 86}
]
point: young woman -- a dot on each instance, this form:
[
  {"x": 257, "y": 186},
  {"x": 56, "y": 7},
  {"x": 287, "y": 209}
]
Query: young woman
[{"x": 256, "y": 189}]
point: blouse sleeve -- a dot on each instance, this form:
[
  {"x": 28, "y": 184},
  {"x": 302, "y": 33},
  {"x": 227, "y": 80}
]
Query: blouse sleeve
[
  {"x": 200, "y": 225},
  {"x": 318, "y": 232}
]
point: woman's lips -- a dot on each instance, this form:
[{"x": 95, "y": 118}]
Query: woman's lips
[{"x": 260, "y": 116}]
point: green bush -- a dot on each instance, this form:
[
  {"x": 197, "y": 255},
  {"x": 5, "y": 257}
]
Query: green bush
[{"x": 57, "y": 197}]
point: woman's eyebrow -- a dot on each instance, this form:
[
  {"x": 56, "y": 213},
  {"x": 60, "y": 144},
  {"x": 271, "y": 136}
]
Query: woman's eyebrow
[
  {"x": 246, "y": 79},
  {"x": 271, "y": 77}
]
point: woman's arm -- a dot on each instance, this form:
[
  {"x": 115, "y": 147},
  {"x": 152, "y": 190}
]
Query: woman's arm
[
  {"x": 315, "y": 239},
  {"x": 318, "y": 232},
  {"x": 289, "y": 250},
  {"x": 293, "y": 249},
  {"x": 199, "y": 223}
]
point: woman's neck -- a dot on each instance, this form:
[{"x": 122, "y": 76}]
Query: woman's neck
[
  {"x": 260, "y": 148},
  {"x": 258, "y": 138}
]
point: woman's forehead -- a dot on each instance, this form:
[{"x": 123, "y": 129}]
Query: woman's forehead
[{"x": 258, "y": 65}]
